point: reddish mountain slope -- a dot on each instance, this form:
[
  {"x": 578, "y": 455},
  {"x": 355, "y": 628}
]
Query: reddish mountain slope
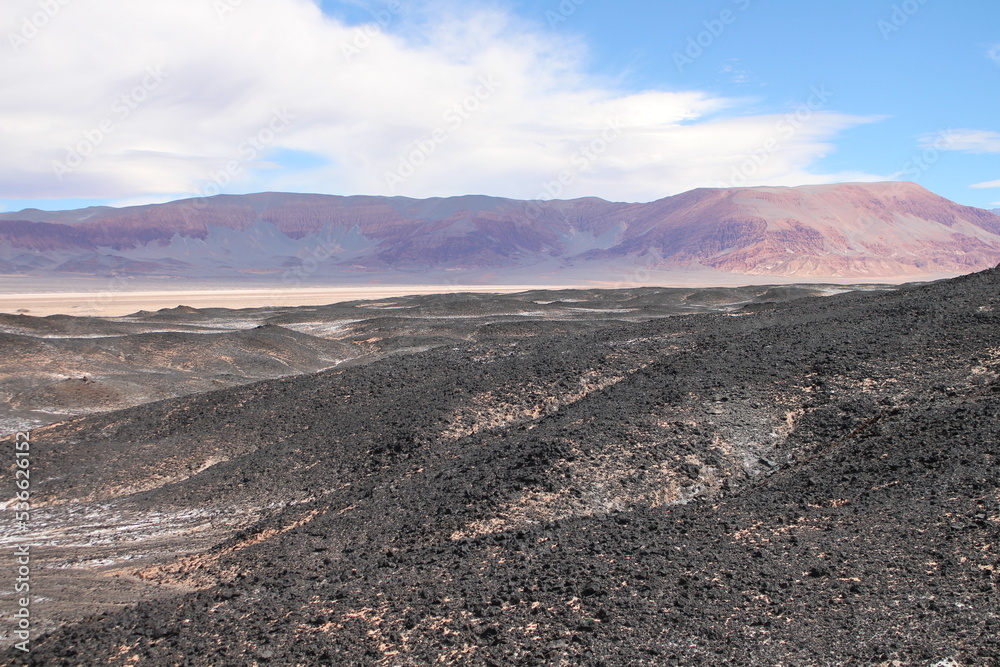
[
  {"x": 870, "y": 230},
  {"x": 877, "y": 229}
]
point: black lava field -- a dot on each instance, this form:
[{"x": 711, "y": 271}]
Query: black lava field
[{"x": 810, "y": 482}]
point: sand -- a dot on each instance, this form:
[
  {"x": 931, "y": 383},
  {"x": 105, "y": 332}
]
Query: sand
[{"x": 112, "y": 304}]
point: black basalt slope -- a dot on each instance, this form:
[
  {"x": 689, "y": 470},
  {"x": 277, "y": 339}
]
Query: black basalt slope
[{"x": 805, "y": 483}]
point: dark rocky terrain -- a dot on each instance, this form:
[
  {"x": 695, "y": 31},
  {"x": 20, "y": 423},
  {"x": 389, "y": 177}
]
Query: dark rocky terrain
[
  {"x": 812, "y": 482},
  {"x": 889, "y": 232},
  {"x": 56, "y": 367}
]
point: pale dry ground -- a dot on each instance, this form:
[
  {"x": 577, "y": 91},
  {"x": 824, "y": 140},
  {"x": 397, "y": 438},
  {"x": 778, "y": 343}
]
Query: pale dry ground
[
  {"x": 48, "y": 297},
  {"x": 113, "y": 304}
]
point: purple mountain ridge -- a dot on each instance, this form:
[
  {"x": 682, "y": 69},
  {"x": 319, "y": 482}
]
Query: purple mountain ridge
[{"x": 852, "y": 231}]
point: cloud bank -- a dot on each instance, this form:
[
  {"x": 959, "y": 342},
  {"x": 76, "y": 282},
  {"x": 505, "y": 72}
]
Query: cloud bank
[
  {"x": 968, "y": 141},
  {"x": 158, "y": 99}
]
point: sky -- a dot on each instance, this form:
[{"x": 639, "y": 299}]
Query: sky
[{"x": 118, "y": 102}]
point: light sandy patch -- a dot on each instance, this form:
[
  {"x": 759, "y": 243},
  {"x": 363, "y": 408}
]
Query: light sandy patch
[{"x": 113, "y": 304}]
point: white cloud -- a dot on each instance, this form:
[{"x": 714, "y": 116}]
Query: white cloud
[
  {"x": 363, "y": 99},
  {"x": 994, "y": 54},
  {"x": 968, "y": 141}
]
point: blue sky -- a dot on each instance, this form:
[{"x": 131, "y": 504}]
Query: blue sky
[
  {"x": 116, "y": 102},
  {"x": 921, "y": 72}
]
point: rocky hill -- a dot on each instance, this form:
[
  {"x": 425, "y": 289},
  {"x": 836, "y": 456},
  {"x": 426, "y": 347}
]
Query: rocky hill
[
  {"x": 59, "y": 366},
  {"x": 864, "y": 231},
  {"x": 814, "y": 482}
]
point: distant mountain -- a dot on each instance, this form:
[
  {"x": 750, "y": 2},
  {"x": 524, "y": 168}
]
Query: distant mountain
[{"x": 853, "y": 231}]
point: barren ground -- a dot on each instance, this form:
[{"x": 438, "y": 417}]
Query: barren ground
[{"x": 562, "y": 478}]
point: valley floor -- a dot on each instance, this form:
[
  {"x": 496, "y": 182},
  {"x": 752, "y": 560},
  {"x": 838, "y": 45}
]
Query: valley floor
[{"x": 106, "y": 301}]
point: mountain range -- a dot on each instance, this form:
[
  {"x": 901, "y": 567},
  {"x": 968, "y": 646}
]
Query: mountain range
[{"x": 886, "y": 231}]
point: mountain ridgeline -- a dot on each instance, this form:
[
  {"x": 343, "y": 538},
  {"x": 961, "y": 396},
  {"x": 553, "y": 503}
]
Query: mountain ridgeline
[{"x": 861, "y": 231}]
